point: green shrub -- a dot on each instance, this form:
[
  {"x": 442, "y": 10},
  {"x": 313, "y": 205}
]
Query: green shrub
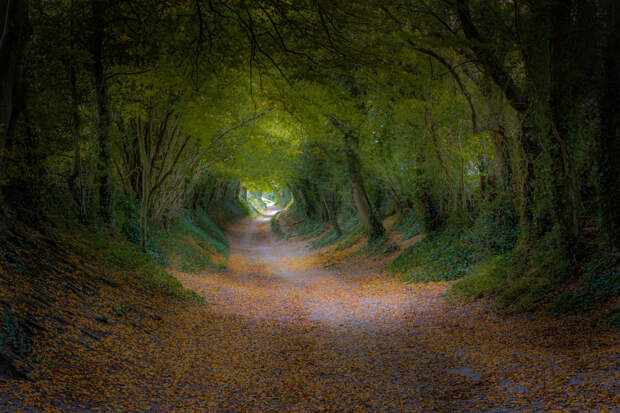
[
  {"x": 310, "y": 228},
  {"x": 257, "y": 203},
  {"x": 600, "y": 284},
  {"x": 409, "y": 225},
  {"x": 329, "y": 237},
  {"x": 116, "y": 252},
  {"x": 484, "y": 280},
  {"x": 451, "y": 252},
  {"x": 446, "y": 255},
  {"x": 276, "y": 228},
  {"x": 189, "y": 243}
]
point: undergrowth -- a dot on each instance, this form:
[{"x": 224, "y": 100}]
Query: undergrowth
[
  {"x": 257, "y": 203},
  {"x": 276, "y": 228},
  {"x": 446, "y": 255},
  {"x": 409, "y": 225},
  {"x": 189, "y": 244},
  {"x": 192, "y": 238},
  {"x": 116, "y": 252},
  {"x": 352, "y": 232},
  {"x": 601, "y": 282},
  {"x": 228, "y": 211},
  {"x": 516, "y": 287},
  {"x": 451, "y": 252}
]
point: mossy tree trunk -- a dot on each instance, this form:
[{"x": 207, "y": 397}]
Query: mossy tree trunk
[
  {"x": 374, "y": 227},
  {"x": 608, "y": 148},
  {"x": 102, "y": 121},
  {"x": 14, "y": 30}
]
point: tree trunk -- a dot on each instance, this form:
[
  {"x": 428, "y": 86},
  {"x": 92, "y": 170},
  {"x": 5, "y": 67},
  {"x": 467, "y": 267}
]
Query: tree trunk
[
  {"x": 102, "y": 123},
  {"x": 14, "y": 30},
  {"x": 237, "y": 190},
  {"x": 332, "y": 211},
  {"x": 401, "y": 203},
  {"x": 374, "y": 227},
  {"x": 462, "y": 178},
  {"x": 503, "y": 155},
  {"x": 522, "y": 103},
  {"x": 426, "y": 204},
  {"x": 324, "y": 209},
  {"x": 562, "y": 61},
  {"x": 77, "y": 189},
  {"x": 144, "y": 211},
  {"x": 144, "y": 144},
  {"x": 529, "y": 150},
  {"x": 485, "y": 179},
  {"x": 501, "y": 145},
  {"x": 608, "y": 175}
]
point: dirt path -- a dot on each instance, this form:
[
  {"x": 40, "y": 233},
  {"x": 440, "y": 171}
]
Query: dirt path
[
  {"x": 288, "y": 329},
  {"x": 311, "y": 338}
]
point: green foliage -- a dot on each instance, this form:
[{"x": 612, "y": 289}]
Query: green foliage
[
  {"x": 390, "y": 248},
  {"x": 352, "y": 232},
  {"x": 516, "y": 287},
  {"x": 498, "y": 278},
  {"x": 432, "y": 116},
  {"x": 446, "y": 255},
  {"x": 248, "y": 209},
  {"x": 496, "y": 228},
  {"x": 118, "y": 253},
  {"x": 190, "y": 242},
  {"x": 409, "y": 225},
  {"x": 450, "y": 253},
  {"x": 127, "y": 218},
  {"x": 378, "y": 246},
  {"x": 327, "y": 238},
  {"x": 310, "y": 228},
  {"x": 276, "y": 228},
  {"x": 485, "y": 280},
  {"x": 257, "y": 203},
  {"x": 227, "y": 211},
  {"x": 601, "y": 283}
]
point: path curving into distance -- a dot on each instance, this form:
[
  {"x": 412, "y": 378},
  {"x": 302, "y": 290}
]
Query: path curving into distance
[{"x": 294, "y": 334}]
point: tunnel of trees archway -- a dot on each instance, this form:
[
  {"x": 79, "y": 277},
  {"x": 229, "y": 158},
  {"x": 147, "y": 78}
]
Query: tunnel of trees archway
[{"x": 497, "y": 115}]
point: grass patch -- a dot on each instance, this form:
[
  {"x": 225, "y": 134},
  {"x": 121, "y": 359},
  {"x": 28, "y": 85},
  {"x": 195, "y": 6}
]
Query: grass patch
[
  {"x": 189, "y": 244},
  {"x": 513, "y": 287},
  {"x": 116, "y": 252},
  {"x": 352, "y": 232},
  {"x": 326, "y": 239},
  {"x": 310, "y": 228},
  {"x": 483, "y": 281}
]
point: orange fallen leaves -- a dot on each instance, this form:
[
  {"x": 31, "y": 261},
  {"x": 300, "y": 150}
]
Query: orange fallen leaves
[{"x": 283, "y": 333}]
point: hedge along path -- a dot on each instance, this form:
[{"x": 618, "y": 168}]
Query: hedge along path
[{"x": 347, "y": 338}]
